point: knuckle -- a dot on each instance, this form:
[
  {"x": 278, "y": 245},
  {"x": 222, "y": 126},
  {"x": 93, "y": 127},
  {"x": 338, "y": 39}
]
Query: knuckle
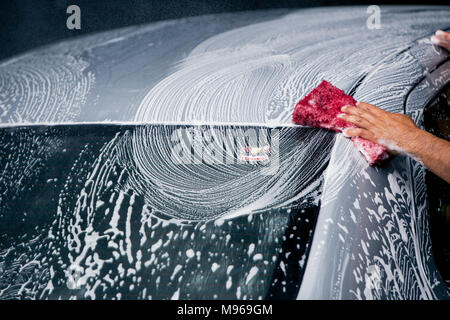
[
  {"x": 354, "y": 119},
  {"x": 364, "y": 106},
  {"x": 350, "y": 109}
]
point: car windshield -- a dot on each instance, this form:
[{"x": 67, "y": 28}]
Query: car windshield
[{"x": 158, "y": 211}]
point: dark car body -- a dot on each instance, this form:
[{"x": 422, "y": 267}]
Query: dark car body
[{"x": 159, "y": 161}]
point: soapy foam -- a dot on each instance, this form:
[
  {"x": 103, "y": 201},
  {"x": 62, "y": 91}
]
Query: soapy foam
[{"x": 251, "y": 74}]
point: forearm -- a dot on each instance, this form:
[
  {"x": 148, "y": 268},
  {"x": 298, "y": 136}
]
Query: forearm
[{"x": 432, "y": 151}]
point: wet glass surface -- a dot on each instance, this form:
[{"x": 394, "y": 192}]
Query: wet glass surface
[
  {"x": 437, "y": 121},
  {"x": 118, "y": 211}
]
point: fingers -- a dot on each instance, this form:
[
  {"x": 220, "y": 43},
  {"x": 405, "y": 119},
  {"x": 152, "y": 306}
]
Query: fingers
[
  {"x": 364, "y": 115},
  {"x": 364, "y": 110},
  {"x": 359, "y": 132},
  {"x": 352, "y": 110},
  {"x": 443, "y": 35},
  {"x": 366, "y": 134},
  {"x": 439, "y": 42},
  {"x": 360, "y": 121},
  {"x": 442, "y": 39},
  {"x": 370, "y": 108}
]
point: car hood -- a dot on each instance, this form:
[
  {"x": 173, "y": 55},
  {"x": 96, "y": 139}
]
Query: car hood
[{"x": 242, "y": 67}]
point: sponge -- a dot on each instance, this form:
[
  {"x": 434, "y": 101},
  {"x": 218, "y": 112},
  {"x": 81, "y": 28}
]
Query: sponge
[{"x": 320, "y": 109}]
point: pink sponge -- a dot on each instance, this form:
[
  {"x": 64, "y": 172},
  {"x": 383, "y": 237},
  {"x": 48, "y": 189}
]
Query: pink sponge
[{"x": 320, "y": 109}]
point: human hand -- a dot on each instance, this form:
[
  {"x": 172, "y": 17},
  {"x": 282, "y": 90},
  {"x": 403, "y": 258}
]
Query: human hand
[
  {"x": 397, "y": 132},
  {"x": 441, "y": 38}
]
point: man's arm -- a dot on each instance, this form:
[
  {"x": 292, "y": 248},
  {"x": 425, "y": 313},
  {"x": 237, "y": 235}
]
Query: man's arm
[{"x": 398, "y": 133}]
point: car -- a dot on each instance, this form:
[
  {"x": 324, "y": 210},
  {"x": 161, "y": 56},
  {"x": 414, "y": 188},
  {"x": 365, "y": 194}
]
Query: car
[{"x": 160, "y": 162}]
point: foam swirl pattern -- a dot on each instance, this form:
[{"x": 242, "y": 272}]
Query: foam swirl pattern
[
  {"x": 112, "y": 211},
  {"x": 206, "y": 185},
  {"x": 91, "y": 228},
  {"x": 44, "y": 88}
]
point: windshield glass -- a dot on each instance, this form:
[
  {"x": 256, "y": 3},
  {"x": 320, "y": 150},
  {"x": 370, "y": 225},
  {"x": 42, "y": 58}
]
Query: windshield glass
[{"x": 158, "y": 211}]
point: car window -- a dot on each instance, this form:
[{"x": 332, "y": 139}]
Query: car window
[
  {"x": 158, "y": 211},
  {"x": 437, "y": 114},
  {"x": 437, "y": 121}
]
